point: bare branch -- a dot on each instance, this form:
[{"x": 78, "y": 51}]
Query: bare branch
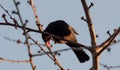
[
  {"x": 36, "y": 16},
  {"x": 106, "y": 43},
  {"x": 109, "y": 67},
  {"x": 19, "y": 26},
  {"x": 89, "y": 22},
  {"x": 18, "y": 41},
  {"x": 18, "y": 11},
  {"x": 6, "y": 11},
  {"x": 57, "y": 52},
  {"x": 29, "y": 51},
  {"x": 13, "y": 61},
  {"x": 95, "y": 58}
]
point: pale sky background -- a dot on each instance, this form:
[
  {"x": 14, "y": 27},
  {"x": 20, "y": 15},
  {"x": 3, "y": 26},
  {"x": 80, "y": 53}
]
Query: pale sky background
[{"x": 105, "y": 16}]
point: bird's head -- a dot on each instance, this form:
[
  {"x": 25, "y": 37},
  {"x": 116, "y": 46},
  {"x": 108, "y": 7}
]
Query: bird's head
[{"x": 46, "y": 38}]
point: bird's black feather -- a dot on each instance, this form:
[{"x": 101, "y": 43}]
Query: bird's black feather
[{"x": 59, "y": 28}]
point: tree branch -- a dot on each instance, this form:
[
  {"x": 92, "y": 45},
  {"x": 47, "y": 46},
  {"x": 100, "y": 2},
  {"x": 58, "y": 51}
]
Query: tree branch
[
  {"x": 95, "y": 58},
  {"x": 36, "y": 16},
  {"x": 57, "y": 52},
  {"x": 25, "y": 33},
  {"x": 90, "y": 24},
  {"x": 108, "y": 42},
  {"x": 18, "y": 11},
  {"x": 19, "y": 26},
  {"x": 110, "y": 67},
  {"x": 13, "y": 61}
]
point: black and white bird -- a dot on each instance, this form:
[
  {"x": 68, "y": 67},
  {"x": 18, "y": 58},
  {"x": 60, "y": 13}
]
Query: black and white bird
[{"x": 62, "y": 29}]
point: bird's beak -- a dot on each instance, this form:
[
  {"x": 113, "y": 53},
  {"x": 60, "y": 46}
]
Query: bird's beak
[{"x": 48, "y": 44}]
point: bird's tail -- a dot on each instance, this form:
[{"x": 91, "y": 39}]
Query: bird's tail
[{"x": 81, "y": 55}]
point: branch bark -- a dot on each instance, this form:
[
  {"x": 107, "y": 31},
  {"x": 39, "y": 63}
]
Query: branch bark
[
  {"x": 36, "y": 16},
  {"x": 108, "y": 42},
  {"x": 95, "y": 57},
  {"x": 13, "y": 61},
  {"x": 89, "y": 22}
]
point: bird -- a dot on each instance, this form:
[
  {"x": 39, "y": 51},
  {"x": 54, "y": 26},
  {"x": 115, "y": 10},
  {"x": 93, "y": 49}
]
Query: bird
[{"x": 62, "y": 29}]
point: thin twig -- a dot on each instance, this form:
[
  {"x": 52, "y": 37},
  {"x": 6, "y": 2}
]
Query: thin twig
[
  {"x": 109, "y": 67},
  {"x": 19, "y": 26},
  {"x": 13, "y": 61},
  {"x": 18, "y": 11},
  {"x": 18, "y": 41},
  {"x": 57, "y": 52},
  {"x": 91, "y": 5},
  {"x": 5, "y": 11},
  {"x": 14, "y": 20}
]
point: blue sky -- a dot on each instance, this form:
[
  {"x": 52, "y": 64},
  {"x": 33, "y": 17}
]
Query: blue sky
[{"x": 105, "y": 16}]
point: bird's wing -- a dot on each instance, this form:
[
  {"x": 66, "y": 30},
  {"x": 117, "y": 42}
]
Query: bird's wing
[{"x": 72, "y": 29}]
